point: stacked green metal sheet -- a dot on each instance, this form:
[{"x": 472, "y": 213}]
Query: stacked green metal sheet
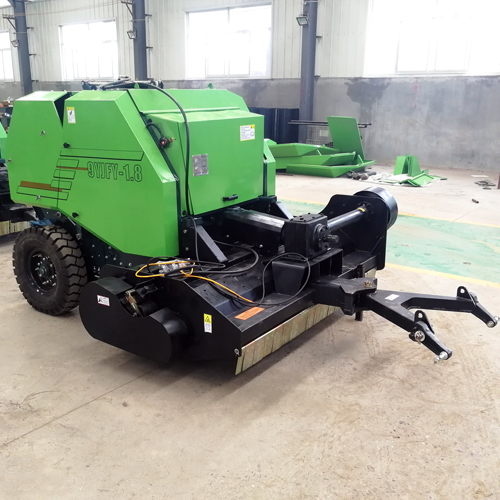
[{"x": 307, "y": 159}]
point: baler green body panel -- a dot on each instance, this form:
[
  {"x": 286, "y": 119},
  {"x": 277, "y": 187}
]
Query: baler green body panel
[
  {"x": 32, "y": 149},
  {"x": 222, "y": 128},
  {"x": 91, "y": 157}
]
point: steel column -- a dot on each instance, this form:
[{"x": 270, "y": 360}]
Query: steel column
[
  {"x": 140, "y": 46},
  {"x": 23, "y": 48},
  {"x": 308, "y": 66}
]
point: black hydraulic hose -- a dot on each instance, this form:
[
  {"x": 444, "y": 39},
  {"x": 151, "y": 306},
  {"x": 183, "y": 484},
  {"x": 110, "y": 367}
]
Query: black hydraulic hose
[{"x": 188, "y": 140}]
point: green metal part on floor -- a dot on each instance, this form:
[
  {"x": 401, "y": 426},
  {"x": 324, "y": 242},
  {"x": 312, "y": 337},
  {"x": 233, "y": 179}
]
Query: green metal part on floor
[
  {"x": 347, "y": 155},
  {"x": 443, "y": 246},
  {"x": 410, "y": 165}
]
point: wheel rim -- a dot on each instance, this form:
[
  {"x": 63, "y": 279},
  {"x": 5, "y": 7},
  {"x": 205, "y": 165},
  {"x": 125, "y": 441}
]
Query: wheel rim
[{"x": 42, "y": 270}]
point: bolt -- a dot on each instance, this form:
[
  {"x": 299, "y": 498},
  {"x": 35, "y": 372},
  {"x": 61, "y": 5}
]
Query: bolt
[
  {"x": 368, "y": 284},
  {"x": 187, "y": 249},
  {"x": 42, "y": 132},
  {"x": 419, "y": 336},
  {"x": 442, "y": 357},
  {"x": 130, "y": 264},
  {"x": 261, "y": 246},
  {"x": 121, "y": 263},
  {"x": 237, "y": 352},
  {"x": 185, "y": 231}
]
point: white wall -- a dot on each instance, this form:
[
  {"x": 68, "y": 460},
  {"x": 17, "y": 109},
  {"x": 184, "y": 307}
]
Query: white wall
[
  {"x": 341, "y": 28},
  {"x": 45, "y": 16}
]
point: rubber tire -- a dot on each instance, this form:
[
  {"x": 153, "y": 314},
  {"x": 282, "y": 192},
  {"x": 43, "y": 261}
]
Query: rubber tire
[{"x": 68, "y": 262}]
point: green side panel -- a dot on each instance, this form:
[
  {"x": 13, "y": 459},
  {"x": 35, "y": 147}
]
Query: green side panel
[
  {"x": 321, "y": 171},
  {"x": 324, "y": 150},
  {"x": 282, "y": 163},
  {"x": 420, "y": 180},
  {"x": 326, "y": 160},
  {"x": 345, "y": 134},
  {"x": 32, "y": 148},
  {"x": 293, "y": 149},
  {"x": 226, "y": 142},
  {"x": 123, "y": 191},
  {"x": 153, "y": 101},
  {"x": 366, "y": 163},
  {"x": 271, "y": 169},
  {"x": 407, "y": 165},
  {"x": 413, "y": 166},
  {"x": 401, "y": 166}
]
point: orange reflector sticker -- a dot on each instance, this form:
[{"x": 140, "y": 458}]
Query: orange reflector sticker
[{"x": 251, "y": 312}]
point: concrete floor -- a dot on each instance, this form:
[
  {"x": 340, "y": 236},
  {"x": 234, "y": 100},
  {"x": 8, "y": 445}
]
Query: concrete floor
[{"x": 347, "y": 411}]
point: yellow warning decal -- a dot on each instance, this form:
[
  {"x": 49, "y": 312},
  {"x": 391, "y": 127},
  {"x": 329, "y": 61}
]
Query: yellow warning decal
[
  {"x": 71, "y": 115},
  {"x": 207, "y": 322},
  {"x": 247, "y": 132}
]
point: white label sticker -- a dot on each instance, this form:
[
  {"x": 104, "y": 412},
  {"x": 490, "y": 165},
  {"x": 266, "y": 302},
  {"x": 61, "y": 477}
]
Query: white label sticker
[
  {"x": 207, "y": 321},
  {"x": 247, "y": 132},
  {"x": 103, "y": 301},
  {"x": 392, "y": 297},
  {"x": 71, "y": 115}
]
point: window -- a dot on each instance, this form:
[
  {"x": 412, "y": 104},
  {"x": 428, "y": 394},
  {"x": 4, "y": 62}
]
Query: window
[
  {"x": 432, "y": 37},
  {"x": 6, "y": 71},
  {"x": 229, "y": 42},
  {"x": 89, "y": 50}
]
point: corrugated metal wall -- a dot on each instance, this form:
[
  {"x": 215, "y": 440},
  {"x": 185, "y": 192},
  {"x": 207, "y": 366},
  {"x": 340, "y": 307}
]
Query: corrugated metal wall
[
  {"x": 5, "y": 26},
  {"x": 45, "y": 17},
  {"x": 342, "y": 25},
  {"x": 342, "y": 28}
]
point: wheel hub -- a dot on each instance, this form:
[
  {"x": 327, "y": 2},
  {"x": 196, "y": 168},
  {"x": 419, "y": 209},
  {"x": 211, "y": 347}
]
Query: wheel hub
[{"x": 43, "y": 271}]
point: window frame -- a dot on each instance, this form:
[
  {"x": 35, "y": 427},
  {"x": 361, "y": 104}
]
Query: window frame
[
  {"x": 9, "y": 49},
  {"x": 226, "y": 74},
  {"x": 61, "y": 51}
]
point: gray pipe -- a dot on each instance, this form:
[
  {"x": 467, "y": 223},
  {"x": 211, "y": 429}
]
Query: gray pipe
[
  {"x": 140, "y": 49},
  {"x": 23, "y": 48},
  {"x": 308, "y": 67}
]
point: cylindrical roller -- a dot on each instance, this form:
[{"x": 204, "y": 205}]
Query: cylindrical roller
[{"x": 384, "y": 195}]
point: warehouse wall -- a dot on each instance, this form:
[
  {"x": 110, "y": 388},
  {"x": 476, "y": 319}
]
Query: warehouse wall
[
  {"x": 449, "y": 121},
  {"x": 445, "y": 121},
  {"x": 45, "y": 16},
  {"x": 341, "y": 28}
]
